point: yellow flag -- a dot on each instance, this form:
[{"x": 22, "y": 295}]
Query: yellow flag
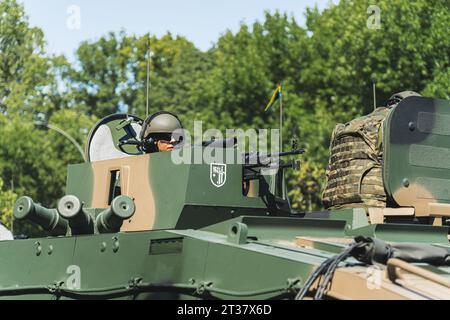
[{"x": 276, "y": 95}]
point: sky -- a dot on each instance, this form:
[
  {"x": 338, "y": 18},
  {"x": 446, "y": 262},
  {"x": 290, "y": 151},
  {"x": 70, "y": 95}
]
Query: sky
[{"x": 68, "y": 22}]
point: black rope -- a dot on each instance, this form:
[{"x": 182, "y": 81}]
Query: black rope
[{"x": 325, "y": 272}]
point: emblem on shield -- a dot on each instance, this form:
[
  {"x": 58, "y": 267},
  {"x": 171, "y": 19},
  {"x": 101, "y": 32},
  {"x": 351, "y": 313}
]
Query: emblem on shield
[{"x": 218, "y": 174}]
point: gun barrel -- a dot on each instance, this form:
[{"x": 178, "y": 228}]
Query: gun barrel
[
  {"x": 48, "y": 219},
  {"x": 291, "y": 153},
  {"x": 255, "y": 160},
  {"x": 80, "y": 221},
  {"x": 111, "y": 219},
  {"x": 222, "y": 143}
]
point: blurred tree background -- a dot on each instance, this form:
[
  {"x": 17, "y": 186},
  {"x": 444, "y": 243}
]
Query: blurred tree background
[{"x": 325, "y": 67}]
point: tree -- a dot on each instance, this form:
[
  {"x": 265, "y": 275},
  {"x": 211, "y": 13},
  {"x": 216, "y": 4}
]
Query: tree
[
  {"x": 246, "y": 68},
  {"x": 7, "y": 199},
  {"x": 113, "y": 72},
  {"x": 23, "y": 65},
  {"x": 34, "y": 158},
  {"x": 31, "y": 155}
]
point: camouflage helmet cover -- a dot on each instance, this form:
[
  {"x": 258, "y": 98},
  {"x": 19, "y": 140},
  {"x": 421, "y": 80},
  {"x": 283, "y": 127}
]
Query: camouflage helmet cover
[{"x": 160, "y": 122}]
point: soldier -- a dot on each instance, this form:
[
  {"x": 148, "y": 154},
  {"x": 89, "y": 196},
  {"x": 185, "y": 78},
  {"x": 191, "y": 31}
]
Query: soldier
[
  {"x": 158, "y": 132},
  {"x": 354, "y": 173}
]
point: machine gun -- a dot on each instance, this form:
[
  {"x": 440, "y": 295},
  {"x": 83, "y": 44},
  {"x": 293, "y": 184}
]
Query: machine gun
[
  {"x": 220, "y": 143},
  {"x": 255, "y": 161}
]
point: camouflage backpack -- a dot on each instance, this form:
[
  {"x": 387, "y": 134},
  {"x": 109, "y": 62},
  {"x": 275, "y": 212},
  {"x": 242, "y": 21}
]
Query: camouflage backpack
[{"x": 354, "y": 175}]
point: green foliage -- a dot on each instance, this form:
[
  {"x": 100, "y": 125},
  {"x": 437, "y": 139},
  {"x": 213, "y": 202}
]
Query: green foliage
[
  {"x": 23, "y": 67},
  {"x": 7, "y": 199},
  {"x": 246, "y": 69},
  {"x": 112, "y": 74},
  {"x": 34, "y": 158},
  {"x": 439, "y": 85},
  {"x": 305, "y": 186},
  {"x": 325, "y": 67}
]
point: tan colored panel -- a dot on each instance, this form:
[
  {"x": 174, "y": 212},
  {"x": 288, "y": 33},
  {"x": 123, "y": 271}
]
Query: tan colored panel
[
  {"x": 439, "y": 209},
  {"x": 437, "y": 221},
  {"x": 304, "y": 242},
  {"x": 134, "y": 179},
  {"x": 309, "y": 241},
  {"x": 393, "y": 265},
  {"x": 418, "y": 279},
  {"x": 352, "y": 284},
  {"x": 252, "y": 191},
  {"x": 398, "y": 211},
  {"x": 376, "y": 215},
  {"x": 425, "y": 287},
  {"x": 125, "y": 181},
  {"x": 408, "y": 197}
]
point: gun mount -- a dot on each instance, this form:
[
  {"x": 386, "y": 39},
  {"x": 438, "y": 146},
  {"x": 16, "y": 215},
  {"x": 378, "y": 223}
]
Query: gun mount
[
  {"x": 111, "y": 219},
  {"x": 80, "y": 221},
  {"x": 48, "y": 219},
  {"x": 255, "y": 161}
]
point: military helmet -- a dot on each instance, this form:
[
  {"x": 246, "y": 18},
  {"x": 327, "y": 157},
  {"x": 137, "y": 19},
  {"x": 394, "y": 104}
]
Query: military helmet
[
  {"x": 399, "y": 96},
  {"x": 160, "y": 122}
]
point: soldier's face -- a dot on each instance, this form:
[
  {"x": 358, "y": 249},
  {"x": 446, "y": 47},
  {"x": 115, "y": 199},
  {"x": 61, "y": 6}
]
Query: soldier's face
[{"x": 166, "y": 145}]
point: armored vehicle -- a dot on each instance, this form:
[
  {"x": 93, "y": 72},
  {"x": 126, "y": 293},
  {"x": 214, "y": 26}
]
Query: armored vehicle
[{"x": 140, "y": 226}]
